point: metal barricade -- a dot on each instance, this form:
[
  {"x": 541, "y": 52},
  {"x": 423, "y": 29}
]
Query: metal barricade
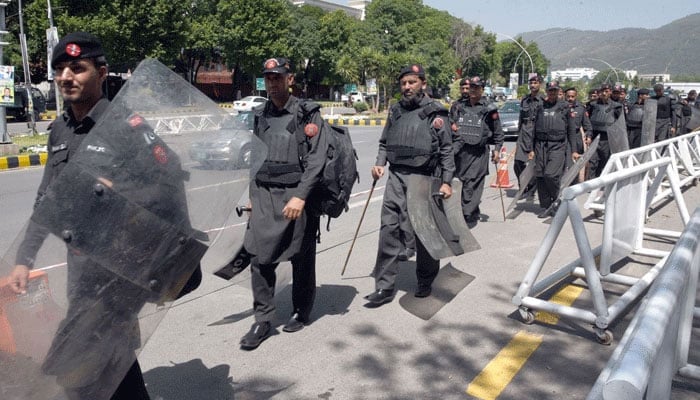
[
  {"x": 623, "y": 234},
  {"x": 656, "y": 343},
  {"x": 684, "y": 150}
]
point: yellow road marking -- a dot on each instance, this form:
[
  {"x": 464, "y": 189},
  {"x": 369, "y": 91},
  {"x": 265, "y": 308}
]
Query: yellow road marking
[
  {"x": 500, "y": 371},
  {"x": 566, "y": 297}
]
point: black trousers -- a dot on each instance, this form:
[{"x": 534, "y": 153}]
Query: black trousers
[
  {"x": 391, "y": 239},
  {"x": 303, "y": 279},
  {"x": 549, "y": 167}
]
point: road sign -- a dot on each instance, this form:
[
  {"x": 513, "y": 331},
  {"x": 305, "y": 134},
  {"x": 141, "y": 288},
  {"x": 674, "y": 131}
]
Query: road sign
[{"x": 259, "y": 83}]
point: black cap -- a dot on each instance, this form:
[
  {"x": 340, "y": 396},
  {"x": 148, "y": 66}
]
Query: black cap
[
  {"x": 415, "y": 69},
  {"x": 604, "y": 86},
  {"x": 658, "y": 86},
  {"x": 570, "y": 88},
  {"x": 464, "y": 81},
  {"x": 693, "y": 92},
  {"x": 553, "y": 85},
  {"x": 535, "y": 77},
  {"x": 643, "y": 91},
  {"x": 75, "y": 46},
  {"x": 618, "y": 88},
  {"x": 476, "y": 81},
  {"x": 277, "y": 65}
]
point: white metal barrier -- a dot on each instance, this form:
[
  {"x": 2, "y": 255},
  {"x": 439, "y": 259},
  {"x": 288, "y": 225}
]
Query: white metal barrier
[
  {"x": 656, "y": 344},
  {"x": 623, "y": 234},
  {"x": 684, "y": 151}
]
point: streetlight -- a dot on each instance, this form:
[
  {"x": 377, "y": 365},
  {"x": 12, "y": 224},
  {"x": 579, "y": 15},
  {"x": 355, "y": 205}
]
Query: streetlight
[
  {"x": 541, "y": 36},
  {"x": 617, "y": 77},
  {"x": 3, "y": 124},
  {"x": 532, "y": 65}
]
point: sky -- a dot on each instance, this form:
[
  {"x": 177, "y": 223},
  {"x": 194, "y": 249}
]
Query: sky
[{"x": 511, "y": 17}]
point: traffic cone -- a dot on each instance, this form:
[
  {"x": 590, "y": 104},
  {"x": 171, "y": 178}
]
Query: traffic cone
[{"x": 502, "y": 174}]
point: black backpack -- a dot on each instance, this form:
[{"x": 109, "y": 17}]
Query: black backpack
[{"x": 340, "y": 171}]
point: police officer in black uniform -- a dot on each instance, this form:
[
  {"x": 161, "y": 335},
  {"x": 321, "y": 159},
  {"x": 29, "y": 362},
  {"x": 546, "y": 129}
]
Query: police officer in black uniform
[
  {"x": 634, "y": 119},
  {"x": 579, "y": 115},
  {"x": 665, "y": 117},
  {"x": 555, "y": 130},
  {"x": 281, "y": 227},
  {"x": 421, "y": 122},
  {"x": 81, "y": 70},
  {"x": 475, "y": 124},
  {"x": 687, "y": 111},
  {"x": 528, "y": 109},
  {"x": 604, "y": 112}
]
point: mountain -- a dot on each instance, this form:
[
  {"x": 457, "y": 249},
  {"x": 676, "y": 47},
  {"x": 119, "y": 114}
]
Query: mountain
[{"x": 672, "y": 49}]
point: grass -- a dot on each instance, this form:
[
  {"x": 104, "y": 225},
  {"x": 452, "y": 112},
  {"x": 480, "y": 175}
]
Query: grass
[{"x": 27, "y": 141}]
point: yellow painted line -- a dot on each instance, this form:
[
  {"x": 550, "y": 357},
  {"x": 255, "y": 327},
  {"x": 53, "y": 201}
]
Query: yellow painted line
[
  {"x": 498, "y": 373},
  {"x": 3, "y": 163},
  {"x": 566, "y": 297}
]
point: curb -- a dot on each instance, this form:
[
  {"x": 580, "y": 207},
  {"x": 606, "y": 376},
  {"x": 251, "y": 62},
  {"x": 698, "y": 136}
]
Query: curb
[{"x": 29, "y": 160}]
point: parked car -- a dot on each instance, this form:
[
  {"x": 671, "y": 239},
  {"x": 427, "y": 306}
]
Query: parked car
[
  {"x": 509, "y": 114},
  {"x": 248, "y": 103},
  {"x": 228, "y": 148},
  {"x": 20, "y": 110}
]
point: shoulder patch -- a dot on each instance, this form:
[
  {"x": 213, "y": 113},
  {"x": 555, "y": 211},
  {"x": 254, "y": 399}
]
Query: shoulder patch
[
  {"x": 160, "y": 154},
  {"x": 438, "y": 123},
  {"x": 494, "y": 115},
  {"x": 135, "y": 120},
  {"x": 311, "y": 130}
]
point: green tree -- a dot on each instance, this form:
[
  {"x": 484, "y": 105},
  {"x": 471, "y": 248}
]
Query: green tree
[{"x": 251, "y": 31}]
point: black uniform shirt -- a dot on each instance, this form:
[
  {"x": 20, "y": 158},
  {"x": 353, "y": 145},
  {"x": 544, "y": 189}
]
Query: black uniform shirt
[
  {"x": 65, "y": 138},
  {"x": 492, "y": 123}
]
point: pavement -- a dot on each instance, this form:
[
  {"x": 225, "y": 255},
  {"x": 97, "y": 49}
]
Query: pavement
[{"x": 475, "y": 347}]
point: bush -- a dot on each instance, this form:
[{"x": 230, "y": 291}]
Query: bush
[{"x": 361, "y": 106}]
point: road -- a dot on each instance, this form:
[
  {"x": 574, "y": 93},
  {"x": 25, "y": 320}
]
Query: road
[{"x": 357, "y": 353}]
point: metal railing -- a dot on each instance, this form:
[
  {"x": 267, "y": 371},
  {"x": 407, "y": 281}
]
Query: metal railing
[
  {"x": 684, "y": 151},
  {"x": 623, "y": 233},
  {"x": 656, "y": 343}
]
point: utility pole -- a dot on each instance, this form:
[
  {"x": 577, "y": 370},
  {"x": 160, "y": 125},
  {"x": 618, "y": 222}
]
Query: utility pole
[
  {"x": 25, "y": 67},
  {"x": 3, "y": 124},
  {"x": 51, "y": 41}
]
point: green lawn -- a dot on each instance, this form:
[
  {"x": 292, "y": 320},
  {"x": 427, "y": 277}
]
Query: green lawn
[{"x": 29, "y": 140}]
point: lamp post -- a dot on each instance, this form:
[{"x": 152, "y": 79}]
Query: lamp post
[
  {"x": 3, "y": 124},
  {"x": 532, "y": 65},
  {"x": 617, "y": 77}
]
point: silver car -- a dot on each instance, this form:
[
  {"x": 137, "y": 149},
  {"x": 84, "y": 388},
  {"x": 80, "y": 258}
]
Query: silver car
[
  {"x": 228, "y": 148},
  {"x": 509, "y": 113}
]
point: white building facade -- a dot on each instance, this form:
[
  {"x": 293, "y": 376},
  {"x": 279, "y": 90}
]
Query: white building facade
[{"x": 355, "y": 8}]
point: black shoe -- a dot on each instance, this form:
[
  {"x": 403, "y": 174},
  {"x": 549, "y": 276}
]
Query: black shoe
[
  {"x": 295, "y": 323},
  {"x": 423, "y": 291},
  {"x": 380, "y": 296},
  {"x": 257, "y": 333},
  {"x": 545, "y": 213}
]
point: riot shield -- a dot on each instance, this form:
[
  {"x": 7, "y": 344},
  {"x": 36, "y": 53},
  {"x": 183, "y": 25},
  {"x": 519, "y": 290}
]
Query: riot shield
[
  {"x": 694, "y": 122},
  {"x": 617, "y": 135},
  {"x": 574, "y": 170},
  {"x": 525, "y": 178},
  {"x": 438, "y": 222},
  {"x": 116, "y": 238},
  {"x": 649, "y": 122}
]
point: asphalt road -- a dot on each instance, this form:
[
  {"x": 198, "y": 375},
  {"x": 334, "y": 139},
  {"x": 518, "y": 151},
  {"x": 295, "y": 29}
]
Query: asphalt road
[{"x": 356, "y": 353}]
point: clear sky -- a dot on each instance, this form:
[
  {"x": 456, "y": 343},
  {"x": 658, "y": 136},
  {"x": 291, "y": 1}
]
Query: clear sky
[{"x": 511, "y": 17}]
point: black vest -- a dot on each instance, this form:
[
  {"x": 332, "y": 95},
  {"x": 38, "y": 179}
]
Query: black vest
[
  {"x": 282, "y": 165},
  {"x": 635, "y": 115},
  {"x": 550, "y": 123},
  {"x": 409, "y": 141},
  {"x": 602, "y": 116}
]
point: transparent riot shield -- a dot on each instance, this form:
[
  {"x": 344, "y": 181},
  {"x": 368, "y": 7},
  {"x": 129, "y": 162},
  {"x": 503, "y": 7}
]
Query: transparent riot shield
[
  {"x": 694, "y": 122},
  {"x": 116, "y": 238},
  {"x": 649, "y": 122},
  {"x": 617, "y": 135},
  {"x": 438, "y": 222}
]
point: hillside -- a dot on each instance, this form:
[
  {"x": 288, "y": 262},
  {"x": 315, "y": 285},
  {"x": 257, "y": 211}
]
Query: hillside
[{"x": 673, "y": 48}]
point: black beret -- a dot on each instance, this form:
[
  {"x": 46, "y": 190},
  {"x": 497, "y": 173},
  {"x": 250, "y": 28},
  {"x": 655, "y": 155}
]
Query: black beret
[
  {"x": 570, "y": 88},
  {"x": 605, "y": 86},
  {"x": 643, "y": 91},
  {"x": 277, "y": 65},
  {"x": 658, "y": 86},
  {"x": 415, "y": 69},
  {"x": 75, "y": 46},
  {"x": 476, "y": 81},
  {"x": 553, "y": 85}
]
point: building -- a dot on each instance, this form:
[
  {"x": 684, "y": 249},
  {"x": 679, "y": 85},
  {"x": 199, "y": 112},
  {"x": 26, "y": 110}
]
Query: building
[
  {"x": 355, "y": 8},
  {"x": 660, "y": 78},
  {"x": 574, "y": 74}
]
